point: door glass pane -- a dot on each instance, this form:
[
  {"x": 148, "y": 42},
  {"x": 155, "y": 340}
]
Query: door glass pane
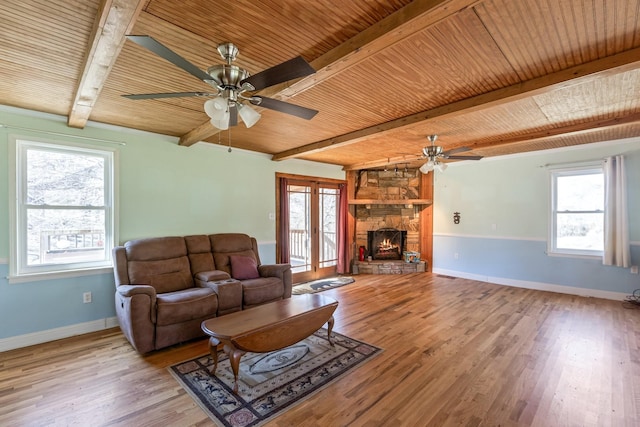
[
  {"x": 328, "y": 253},
  {"x": 299, "y": 228}
]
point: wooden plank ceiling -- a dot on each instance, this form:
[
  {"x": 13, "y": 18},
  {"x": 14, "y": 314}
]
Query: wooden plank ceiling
[{"x": 497, "y": 76}]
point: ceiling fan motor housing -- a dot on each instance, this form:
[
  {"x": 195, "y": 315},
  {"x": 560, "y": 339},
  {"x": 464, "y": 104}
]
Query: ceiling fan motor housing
[
  {"x": 227, "y": 76},
  {"x": 432, "y": 151}
]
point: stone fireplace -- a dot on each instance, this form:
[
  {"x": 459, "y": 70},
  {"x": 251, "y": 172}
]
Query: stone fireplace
[
  {"x": 391, "y": 213},
  {"x": 386, "y": 243}
]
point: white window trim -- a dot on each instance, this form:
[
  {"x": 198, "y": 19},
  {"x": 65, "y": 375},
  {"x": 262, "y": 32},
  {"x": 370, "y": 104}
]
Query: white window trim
[
  {"x": 567, "y": 169},
  {"x": 69, "y": 270}
]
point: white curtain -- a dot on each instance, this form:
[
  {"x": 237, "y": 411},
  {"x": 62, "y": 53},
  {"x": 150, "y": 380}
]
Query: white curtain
[{"x": 616, "y": 219}]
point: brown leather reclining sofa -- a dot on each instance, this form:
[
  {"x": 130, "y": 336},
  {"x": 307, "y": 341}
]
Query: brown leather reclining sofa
[{"x": 166, "y": 286}]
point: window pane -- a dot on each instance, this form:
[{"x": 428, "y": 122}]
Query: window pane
[
  {"x": 580, "y": 231},
  {"x": 580, "y": 192},
  {"x": 64, "y": 179},
  {"x": 328, "y": 227},
  {"x": 300, "y": 228},
  {"x": 61, "y": 236}
]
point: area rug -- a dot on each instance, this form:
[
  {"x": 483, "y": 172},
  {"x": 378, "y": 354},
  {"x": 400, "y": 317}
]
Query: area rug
[
  {"x": 321, "y": 285},
  {"x": 270, "y": 383}
]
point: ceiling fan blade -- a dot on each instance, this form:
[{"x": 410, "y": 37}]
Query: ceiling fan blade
[
  {"x": 233, "y": 115},
  {"x": 167, "y": 95},
  {"x": 164, "y": 52},
  {"x": 465, "y": 157},
  {"x": 284, "y": 107},
  {"x": 289, "y": 70},
  {"x": 455, "y": 150}
]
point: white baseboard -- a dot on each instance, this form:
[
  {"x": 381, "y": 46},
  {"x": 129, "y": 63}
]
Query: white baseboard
[
  {"x": 57, "y": 333},
  {"x": 539, "y": 286}
]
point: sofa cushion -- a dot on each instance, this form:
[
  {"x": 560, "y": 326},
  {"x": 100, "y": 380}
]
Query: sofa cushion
[
  {"x": 264, "y": 289},
  {"x": 155, "y": 248},
  {"x": 167, "y": 275},
  {"x": 223, "y": 261},
  {"x": 225, "y": 245},
  {"x": 230, "y": 242},
  {"x": 243, "y": 267},
  {"x": 185, "y": 305},
  {"x": 200, "y": 256},
  {"x": 160, "y": 262}
]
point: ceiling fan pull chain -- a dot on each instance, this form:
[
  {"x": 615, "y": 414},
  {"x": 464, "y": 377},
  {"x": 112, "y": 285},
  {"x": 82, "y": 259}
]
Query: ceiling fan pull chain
[{"x": 229, "y": 132}]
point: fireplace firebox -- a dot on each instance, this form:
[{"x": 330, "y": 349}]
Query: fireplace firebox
[{"x": 386, "y": 243}]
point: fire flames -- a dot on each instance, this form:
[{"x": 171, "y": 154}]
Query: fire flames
[{"x": 386, "y": 245}]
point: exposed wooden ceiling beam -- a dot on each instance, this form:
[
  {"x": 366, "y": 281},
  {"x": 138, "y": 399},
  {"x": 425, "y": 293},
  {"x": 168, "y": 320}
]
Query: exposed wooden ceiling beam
[
  {"x": 416, "y": 16},
  {"x": 578, "y": 74},
  {"x": 547, "y": 134},
  {"x": 114, "y": 20}
]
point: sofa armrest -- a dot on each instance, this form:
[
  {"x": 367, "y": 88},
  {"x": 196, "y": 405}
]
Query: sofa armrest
[
  {"x": 136, "y": 310},
  {"x": 130, "y": 290},
  {"x": 212, "y": 276},
  {"x": 282, "y": 271},
  {"x": 273, "y": 270},
  {"x": 229, "y": 293}
]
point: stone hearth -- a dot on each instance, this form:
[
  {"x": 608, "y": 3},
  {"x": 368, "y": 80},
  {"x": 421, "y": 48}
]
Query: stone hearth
[{"x": 388, "y": 267}]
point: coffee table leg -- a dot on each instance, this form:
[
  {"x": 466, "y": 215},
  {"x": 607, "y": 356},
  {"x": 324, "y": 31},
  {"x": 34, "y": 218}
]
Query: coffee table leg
[
  {"x": 213, "y": 349},
  {"x": 234, "y": 359},
  {"x": 329, "y": 329}
]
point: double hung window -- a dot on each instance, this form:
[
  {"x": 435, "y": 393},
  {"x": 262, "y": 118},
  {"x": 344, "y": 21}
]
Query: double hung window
[
  {"x": 577, "y": 211},
  {"x": 63, "y": 215}
]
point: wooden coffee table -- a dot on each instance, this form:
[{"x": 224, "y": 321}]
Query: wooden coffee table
[{"x": 268, "y": 327}]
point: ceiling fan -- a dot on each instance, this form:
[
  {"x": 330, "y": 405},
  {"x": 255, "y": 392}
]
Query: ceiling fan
[
  {"x": 232, "y": 84},
  {"x": 435, "y": 155}
]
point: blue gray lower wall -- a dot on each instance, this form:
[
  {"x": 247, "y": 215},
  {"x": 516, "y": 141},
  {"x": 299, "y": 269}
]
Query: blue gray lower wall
[
  {"x": 524, "y": 263},
  {"x": 46, "y": 310}
]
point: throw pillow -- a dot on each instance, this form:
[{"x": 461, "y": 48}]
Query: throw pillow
[{"x": 243, "y": 267}]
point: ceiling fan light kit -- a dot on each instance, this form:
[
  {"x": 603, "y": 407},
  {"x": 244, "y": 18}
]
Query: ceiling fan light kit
[
  {"x": 217, "y": 108},
  {"x": 231, "y": 83},
  {"x": 248, "y": 115}
]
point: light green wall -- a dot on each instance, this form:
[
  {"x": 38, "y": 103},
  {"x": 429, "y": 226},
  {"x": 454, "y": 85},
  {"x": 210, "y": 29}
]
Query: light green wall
[
  {"x": 164, "y": 189},
  {"x": 167, "y": 189},
  {"x": 512, "y": 192}
]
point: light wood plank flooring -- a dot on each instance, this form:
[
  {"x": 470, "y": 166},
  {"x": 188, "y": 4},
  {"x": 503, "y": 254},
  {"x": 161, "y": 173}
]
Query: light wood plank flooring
[{"x": 457, "y": 352}]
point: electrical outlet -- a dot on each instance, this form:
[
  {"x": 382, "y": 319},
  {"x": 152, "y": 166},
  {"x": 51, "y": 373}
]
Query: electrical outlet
[
  {"x": 634, "y": 269},
  {"x": 86, "y": 297}
]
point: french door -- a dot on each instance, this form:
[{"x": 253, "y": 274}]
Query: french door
[{"x": 312, "y": 224}]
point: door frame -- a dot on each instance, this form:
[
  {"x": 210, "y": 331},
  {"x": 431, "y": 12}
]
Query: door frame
[{"x": 298, "y": 277}]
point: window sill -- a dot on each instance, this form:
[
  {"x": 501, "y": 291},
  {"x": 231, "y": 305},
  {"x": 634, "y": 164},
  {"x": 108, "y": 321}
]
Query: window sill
[
  {"x": 35, "y": 277},
  {"x": 596, "y": 256}
]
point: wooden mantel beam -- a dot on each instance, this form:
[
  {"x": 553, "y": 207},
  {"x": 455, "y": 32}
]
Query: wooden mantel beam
[
  {"x": 578, "y": 74},
  {"x": 416, "y": 16},
  {"x": 114, "y": 20}
]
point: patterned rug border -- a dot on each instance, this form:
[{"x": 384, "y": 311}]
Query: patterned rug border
[
  {"x": 308, "y": 287},
  {"x": 279, "y": 411}
]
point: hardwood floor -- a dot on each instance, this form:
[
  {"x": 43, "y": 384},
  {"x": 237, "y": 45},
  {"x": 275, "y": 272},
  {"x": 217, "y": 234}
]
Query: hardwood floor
[{"x": 457, "y": 352}]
